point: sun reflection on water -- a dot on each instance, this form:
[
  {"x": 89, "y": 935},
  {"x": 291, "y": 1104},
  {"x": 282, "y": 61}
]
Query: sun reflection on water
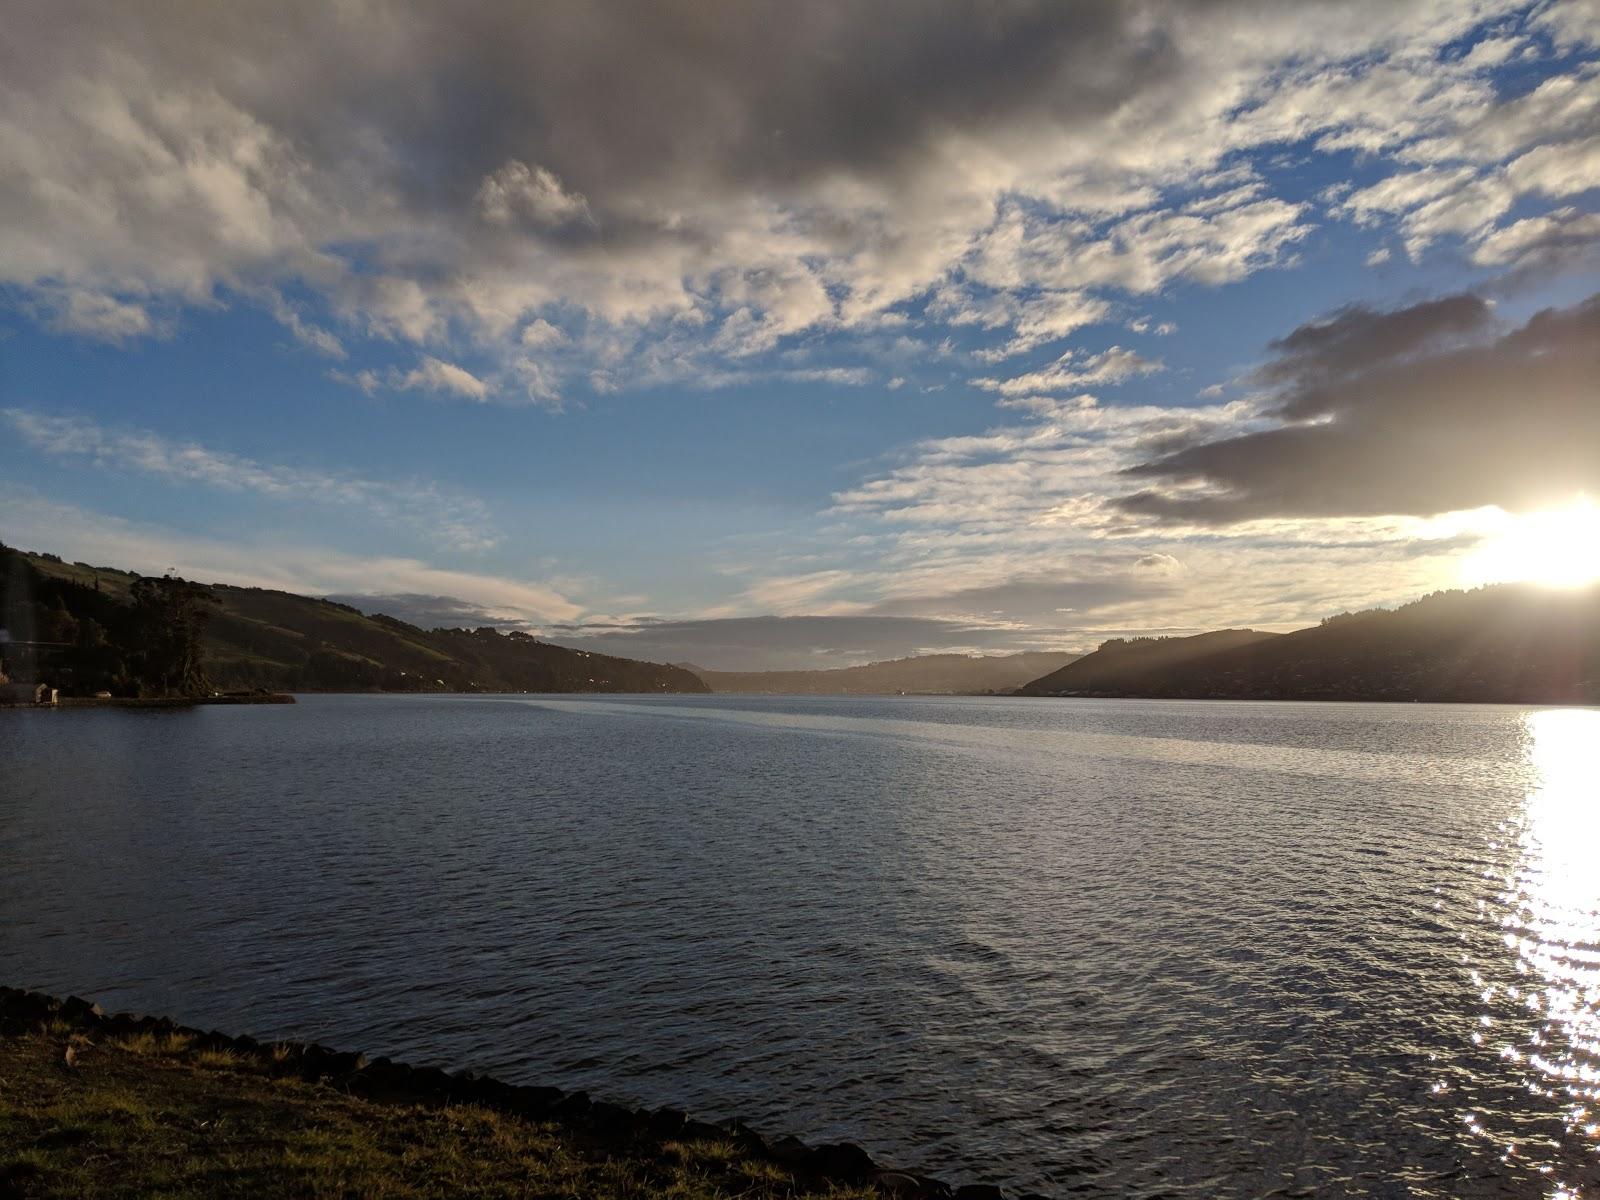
[{"x": 1554, "y": 925}]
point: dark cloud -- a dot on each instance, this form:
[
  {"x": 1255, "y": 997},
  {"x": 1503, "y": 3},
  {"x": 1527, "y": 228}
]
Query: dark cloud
[
  {"x": 1357, "y": 338},
  {"x": 1391, "y": 413}
]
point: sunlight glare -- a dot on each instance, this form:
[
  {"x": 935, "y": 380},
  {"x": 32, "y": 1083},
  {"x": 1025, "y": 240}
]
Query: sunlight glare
[
  {"x": 1558, "y": 547},
  {"x": 1559, "y": 894}
]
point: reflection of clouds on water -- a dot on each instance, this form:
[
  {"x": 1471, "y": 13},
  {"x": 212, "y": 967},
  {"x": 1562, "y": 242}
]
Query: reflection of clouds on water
[{"x": 1553, "y": 925}]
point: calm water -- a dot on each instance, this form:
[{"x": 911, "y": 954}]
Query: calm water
[{"x": 1105, "y": 948}]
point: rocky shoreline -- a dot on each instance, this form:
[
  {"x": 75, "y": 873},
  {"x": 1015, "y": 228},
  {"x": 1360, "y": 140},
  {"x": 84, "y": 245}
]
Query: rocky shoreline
[{"x": 381, "y": 1080}]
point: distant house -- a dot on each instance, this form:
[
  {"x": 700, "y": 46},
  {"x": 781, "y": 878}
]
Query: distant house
[{"x": 27, "y": 693}]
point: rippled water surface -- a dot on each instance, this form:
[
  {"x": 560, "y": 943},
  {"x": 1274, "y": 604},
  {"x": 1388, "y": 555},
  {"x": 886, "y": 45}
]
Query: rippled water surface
[{"x": 1105, "y": 948}]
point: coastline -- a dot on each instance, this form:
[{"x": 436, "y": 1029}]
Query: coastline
[{"x": 73, "y": 1032}]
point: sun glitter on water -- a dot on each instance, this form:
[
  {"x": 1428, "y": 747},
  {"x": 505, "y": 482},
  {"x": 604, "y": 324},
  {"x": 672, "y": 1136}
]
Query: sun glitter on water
[{"x": 1558, "y": 547}]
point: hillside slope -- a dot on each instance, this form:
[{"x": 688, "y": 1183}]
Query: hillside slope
[
  {"x": 1504, "y": 644},
  {"x": 928, "y": 674},
  {"x": 259, "y": 638}
]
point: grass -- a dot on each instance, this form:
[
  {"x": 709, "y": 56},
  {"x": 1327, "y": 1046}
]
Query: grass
[{"x": 150, "y": 1115}]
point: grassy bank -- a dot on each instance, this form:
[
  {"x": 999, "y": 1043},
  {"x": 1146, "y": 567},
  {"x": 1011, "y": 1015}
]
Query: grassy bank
[
  {"x": 127, "y": 1105},
  {"x": 150, "y": 1114}
]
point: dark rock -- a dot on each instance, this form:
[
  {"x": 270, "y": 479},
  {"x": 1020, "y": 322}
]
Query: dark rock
[
  {"x": 76, "y": 1008},
  {"x": 536, "y": 1101},
  {"x": 429, "y": 1081},
  {"x": 667, "y": 1122},
  {"x": 789, "y": 1150},
  {"x": 700, "y": 1131},
  {"x": 741, "y": 1135},
  {"x": 843, "y": 1161},
  {"x": 979, "y": 1191},
  {"x": 573, "y": 1107},
  {"x": 612, "y": 1119},
  {"x": 898, "y": 1183}
]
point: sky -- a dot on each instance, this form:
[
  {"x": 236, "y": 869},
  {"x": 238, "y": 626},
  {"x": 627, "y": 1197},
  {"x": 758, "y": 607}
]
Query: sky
[{"x": 776, "y": 335}]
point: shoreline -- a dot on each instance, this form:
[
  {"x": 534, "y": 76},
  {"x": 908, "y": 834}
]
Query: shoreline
[
  {"x": 639, "y": 1135},
  {"x": 227, "y": 698}
]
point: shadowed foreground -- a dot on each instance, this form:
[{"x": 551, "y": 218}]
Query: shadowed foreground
[
  {"x": 125, "y": 1105},
  {"x": 144, "y": 1114}
]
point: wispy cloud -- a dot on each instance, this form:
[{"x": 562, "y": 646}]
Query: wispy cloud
[{"x": 452, "y": 521}]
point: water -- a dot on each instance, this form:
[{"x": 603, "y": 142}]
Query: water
[{"x": 1103, "y": 948}]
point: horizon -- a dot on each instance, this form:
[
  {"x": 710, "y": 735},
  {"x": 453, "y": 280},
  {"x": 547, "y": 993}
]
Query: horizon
[{"x": 1123, "y": 320}]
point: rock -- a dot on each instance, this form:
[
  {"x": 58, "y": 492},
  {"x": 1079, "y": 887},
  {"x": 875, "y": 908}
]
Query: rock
[
  {"x": 789, "y": 1150},
  {"x": 76, "y": 1008},
  {"x": 536, "y": 1101},
  {"x": 667, "y": 1122},
  {"x": 700, "y": 1131},
  {"x": 843, "y": 1161},
  {"x": 741, "y": 1135},
  {"x": 898, "y": 1183},
  {"x": 979, "y": 1191},
  {"x": 573, "y": 1107},
  {"x": 612, "y": 1119}
]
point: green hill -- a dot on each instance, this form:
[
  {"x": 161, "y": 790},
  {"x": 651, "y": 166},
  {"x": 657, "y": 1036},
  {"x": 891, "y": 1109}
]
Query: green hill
[
  {"x": 259, "y": 638},
  {"x": 1511, "y": 644},
  {"x": 925, "y": 674}
]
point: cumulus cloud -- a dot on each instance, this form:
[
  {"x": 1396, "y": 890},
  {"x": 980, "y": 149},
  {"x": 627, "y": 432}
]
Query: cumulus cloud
[
  {"x": 1422, "y": 410},
  {"x": 434, "y": 375},
  {"x": 450, "y": 521},
  {"x": 661, "y": 175}
]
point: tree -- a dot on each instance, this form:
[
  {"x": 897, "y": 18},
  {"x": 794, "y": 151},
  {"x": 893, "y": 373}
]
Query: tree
[{"x": 171, "y": 616}]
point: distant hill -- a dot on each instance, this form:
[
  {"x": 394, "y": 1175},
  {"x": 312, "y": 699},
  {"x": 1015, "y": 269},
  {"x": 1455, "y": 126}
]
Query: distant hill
[
  {"x": 1503, "y": 644},
  {"x": 259, "y": 638},
  {"x": 927, "y": 674}
]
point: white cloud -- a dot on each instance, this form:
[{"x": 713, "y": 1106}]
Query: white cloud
[
  {"x": 96, "y": 315},
  {"x": 451, "y": 521},
  {"x": 517, "y": 192},
  {"x": 1069, "y": 373},
  {"x": 434, "y": 375},
  {"x": 739, "y": 205}
]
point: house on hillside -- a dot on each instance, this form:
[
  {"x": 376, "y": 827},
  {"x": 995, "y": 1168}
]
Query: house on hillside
[
  {"x": 24, "y": 693},
  {"x": 27, "y": 693}
]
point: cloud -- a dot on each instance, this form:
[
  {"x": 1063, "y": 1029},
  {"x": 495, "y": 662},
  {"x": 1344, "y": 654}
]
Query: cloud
[
  {"x": 1564, "y": 239},
  {"x": 433, "y": 375},
  {"x": 453, "y": 522},
  {"x": 95, "y": 315},
  {"x": 1068, "y": 373},
  {"x": 519, "y": 193},
  {"x": 664, "y": 178},
  {"x": 1422, "y": 410}
]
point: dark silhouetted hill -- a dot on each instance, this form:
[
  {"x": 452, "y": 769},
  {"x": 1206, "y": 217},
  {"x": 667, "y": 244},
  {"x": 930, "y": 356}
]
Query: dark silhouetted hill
[
  {"x": 926, "y": 674},
  {"x": 1513, "y": 644},
  {"x": 260, "y": 638}
]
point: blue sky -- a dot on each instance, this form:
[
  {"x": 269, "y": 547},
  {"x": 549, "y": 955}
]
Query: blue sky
[{"x": 800, "y": 338}]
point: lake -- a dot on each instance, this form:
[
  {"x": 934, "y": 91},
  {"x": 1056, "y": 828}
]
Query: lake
[{"x": 1111, "y": 948}]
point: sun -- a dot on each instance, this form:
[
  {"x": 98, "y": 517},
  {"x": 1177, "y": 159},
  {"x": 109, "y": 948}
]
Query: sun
[{"x": 1556, "y": 547}]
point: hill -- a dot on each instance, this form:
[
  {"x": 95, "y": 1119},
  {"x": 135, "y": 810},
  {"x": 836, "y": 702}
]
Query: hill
[
  {"x": 926, "y": 674},
  {"x": 1503, "y": 644},
  {"x": 260, "y": 638}
]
